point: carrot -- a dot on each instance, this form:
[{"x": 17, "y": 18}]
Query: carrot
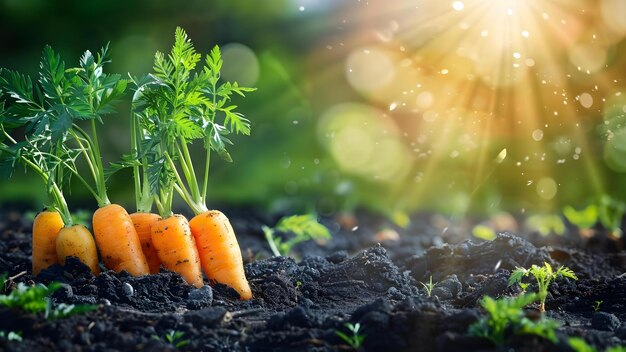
[
  {"x": 176, "y": 248},
  {"x": 143, "y": 223},
  {"x": 219, "y": 251},
  {"x": 118, "y": 241},
  {"x": 185, "y": 92},
  {"x": 45, "y": 230},
  {"x": 77, "y": 241}
]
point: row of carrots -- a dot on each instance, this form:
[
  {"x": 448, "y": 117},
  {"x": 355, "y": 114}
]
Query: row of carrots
[
  {"x": 41, "y": 129},
  {"x": 140, "y": 243}
]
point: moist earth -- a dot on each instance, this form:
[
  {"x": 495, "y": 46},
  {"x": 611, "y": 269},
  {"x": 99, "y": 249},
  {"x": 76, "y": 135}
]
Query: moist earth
[{"x": 364, "y": 274}]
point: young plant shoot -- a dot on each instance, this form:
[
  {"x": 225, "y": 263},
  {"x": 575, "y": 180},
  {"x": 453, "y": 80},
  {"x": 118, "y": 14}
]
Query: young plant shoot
[
  {"x": 41, "y": 109},
  {"x": 303, "y": 227},
  {"x": 506, "y": 317},
  {"x": 179, "y": 106},
  {"x": 544, "y": 275}
]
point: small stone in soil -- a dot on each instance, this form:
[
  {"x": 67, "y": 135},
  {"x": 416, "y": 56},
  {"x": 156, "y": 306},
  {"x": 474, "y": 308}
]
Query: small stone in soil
[
  {"x": 128, "y": 290},
  {"x": 604, "y": 321},
  {"x": 449, "y": 288},
  {"x": 200, "y": 297},
  {"x": 104, "y": 301}
]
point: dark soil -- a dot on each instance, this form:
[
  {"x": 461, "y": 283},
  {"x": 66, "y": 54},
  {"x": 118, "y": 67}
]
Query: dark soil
[{"x": 300, "y": 304}]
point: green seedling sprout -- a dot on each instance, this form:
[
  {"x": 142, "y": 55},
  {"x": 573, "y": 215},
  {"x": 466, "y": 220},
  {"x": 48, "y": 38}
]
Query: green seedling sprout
[
  {"x": 354, "y": 339},
  {"x": 546, "y": 224},
  {"x": 10, "y": 335},
  {"x": 429, "y": 286},
  {"x": 611, "y": 212},
  {"x": 303, "y": 227},
  {"x": 544, "y": 275},
  {"x": 36, "y": 299},
  {"x": 596, "y": 305},
  {"x": 506, "y": 317},
  {"x": 584, "y": 219},
  {"x": 580, "y": 345},
  {"x": 484, "y": 232},
  {"x": 174, "y": 338}
]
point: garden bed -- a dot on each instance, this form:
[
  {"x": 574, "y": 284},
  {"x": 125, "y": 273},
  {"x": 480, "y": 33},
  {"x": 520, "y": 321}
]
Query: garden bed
[{"x": 301, "y": 304}]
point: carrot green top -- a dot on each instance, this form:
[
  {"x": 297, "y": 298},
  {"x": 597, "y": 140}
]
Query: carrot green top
[
  {"x": 175, "y": 106},
  {"x": 50, "y": 111}
]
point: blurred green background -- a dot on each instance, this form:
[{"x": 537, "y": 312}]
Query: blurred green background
[{"x": 460, "y": 107}]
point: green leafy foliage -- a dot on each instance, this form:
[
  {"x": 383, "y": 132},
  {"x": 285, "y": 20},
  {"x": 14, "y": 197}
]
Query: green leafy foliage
[
  {"x": 353, "y": 338},
  {"x": 63, "y": 310},
  {"x": 584, "y": 218},
  {"x": 32, "y": 299},
  {"x": 10, "y": 335},
  {"x": 546, "y": 224},
  {"x": 49, "y": 109},
  {"x": 580, "y": 345},
  {"x": 181, "y": 102},
  {"x": 611, "y": 212},
  {"x": 483, "y": 232},
  {"x": 303, "y": 227},
  {"x": 505, "y": 318},
  {"x": 175, "y": 105},
  {"x": 174, "y": 338},
  {"x": 36, "y": 299},
  {"x": 544, "y": 276}
]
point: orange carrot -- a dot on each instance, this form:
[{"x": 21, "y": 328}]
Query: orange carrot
[
  {"x": 176, "y": 248},
  {"x": 118, "y": 241},
  {"x": 77, "y": 241},
  {"x": 219, "y": 251},
  {"x": 143, "y": 223},
  {"x": 45, "y": 230}
]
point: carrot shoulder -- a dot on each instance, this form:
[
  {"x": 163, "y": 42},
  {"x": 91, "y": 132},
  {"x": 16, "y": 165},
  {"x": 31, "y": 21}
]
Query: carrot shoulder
[
  {"x": 117, "y": 241},
  {"x": 46, "y": 228},
  {"x": 176, "y": 248},
  {"x": 143, "y": 223},
  {"x": 219, "y": 251},
  {"x": 77, "y": 241}
]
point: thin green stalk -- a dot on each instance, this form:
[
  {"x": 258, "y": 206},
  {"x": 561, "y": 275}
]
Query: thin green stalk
[
  {"x": 182, "y": 191},
  {"x": 206, "y": 175},
  {"x": 60, "y": 205},
  {"x": 159, "y": 205},
  {"x": 269, "y": 237},
  {"x": 84, "y": 150},
  {"x": 100, "y": 181},
  {"x": 135, "y": 152},
  {"x": 192, "y": 180}
]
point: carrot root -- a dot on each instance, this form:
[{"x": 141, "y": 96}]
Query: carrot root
[
  {"x": 176, "y": 248},
  {"x": 118, "y": 242},
  {"x": 46, "y": 228},
  {"x": 77, "y": 241},
  {"x": 143, "y": 223},
  {"x": 219, "y": 251}
]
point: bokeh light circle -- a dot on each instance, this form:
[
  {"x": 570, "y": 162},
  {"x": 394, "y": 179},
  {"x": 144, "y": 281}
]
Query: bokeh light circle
[{"x": 240, "y": 64}]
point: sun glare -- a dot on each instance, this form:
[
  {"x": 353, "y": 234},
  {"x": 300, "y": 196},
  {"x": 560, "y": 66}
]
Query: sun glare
[{"x": 464, "y": 79}]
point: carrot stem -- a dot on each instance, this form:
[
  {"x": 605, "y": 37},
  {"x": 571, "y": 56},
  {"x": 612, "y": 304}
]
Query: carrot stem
[
  {"x": 206, "y": 174},
  {"x": 100, "y": 181},
  {"x": 54, "y": 192}
]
